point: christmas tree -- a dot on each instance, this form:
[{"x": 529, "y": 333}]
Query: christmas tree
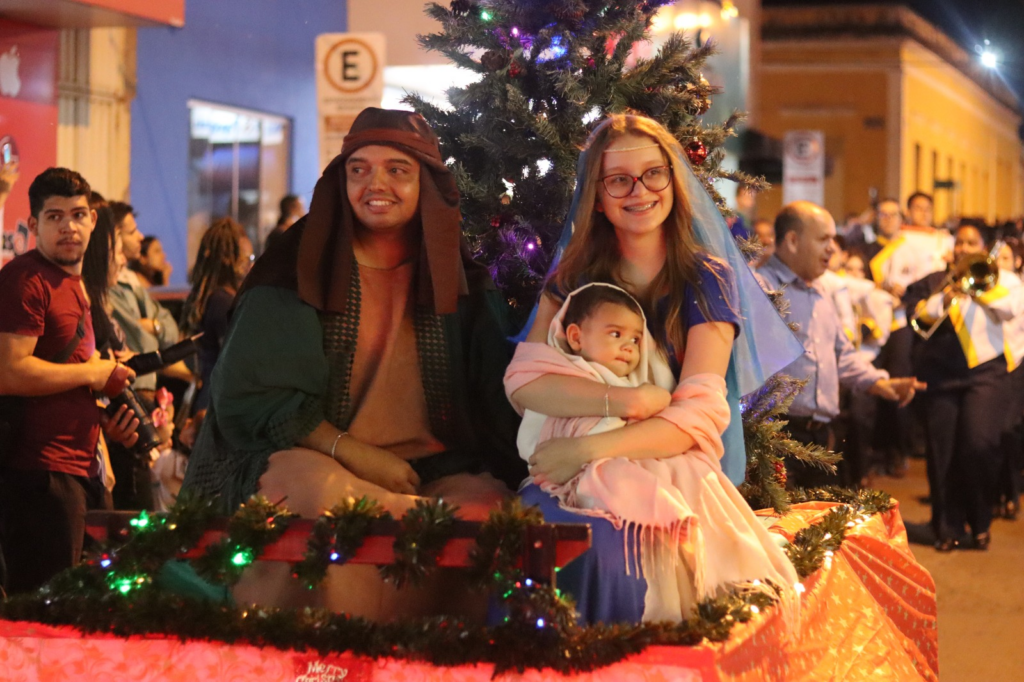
[{"x": 549, "y": 70}]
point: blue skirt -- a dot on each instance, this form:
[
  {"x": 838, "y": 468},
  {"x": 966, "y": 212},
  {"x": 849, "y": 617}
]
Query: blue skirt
[{"x": 597, "y": 579}]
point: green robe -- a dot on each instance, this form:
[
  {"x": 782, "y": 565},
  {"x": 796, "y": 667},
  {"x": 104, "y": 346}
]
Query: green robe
[{"x": 285, "y": 368}]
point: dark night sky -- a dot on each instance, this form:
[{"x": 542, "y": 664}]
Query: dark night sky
[{"x": 968, "y": 22}]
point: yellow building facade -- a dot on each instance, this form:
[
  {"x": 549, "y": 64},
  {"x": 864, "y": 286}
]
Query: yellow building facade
[{"x": 902, "y": 107}]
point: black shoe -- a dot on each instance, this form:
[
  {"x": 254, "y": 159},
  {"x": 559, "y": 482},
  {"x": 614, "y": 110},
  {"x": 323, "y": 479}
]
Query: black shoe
[
  {"x": 946, "y": 545},
  {"x": 982, "y": 541}
]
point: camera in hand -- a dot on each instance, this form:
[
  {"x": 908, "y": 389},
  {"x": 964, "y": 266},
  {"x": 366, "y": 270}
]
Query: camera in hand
[
  {"x": 146, "y": 363},
  {"x": 148, "y": 437}
]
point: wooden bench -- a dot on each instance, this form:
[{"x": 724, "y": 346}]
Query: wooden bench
[{"x": 548, "y": 546}]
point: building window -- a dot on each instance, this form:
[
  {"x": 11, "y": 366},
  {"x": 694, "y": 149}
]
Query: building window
[
  {"x": 239, "y": 166},
  {"x": 917, "y": 167}
]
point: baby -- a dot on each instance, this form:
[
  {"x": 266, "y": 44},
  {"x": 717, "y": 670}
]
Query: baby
[{"x": 605, "y": 325}]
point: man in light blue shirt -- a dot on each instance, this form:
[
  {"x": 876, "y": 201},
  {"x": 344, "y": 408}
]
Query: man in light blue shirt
[{"x": 804, "y": 243}]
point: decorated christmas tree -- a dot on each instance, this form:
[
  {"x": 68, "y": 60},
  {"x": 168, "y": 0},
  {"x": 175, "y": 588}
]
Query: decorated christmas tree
[{"x": 549, "y": 70}]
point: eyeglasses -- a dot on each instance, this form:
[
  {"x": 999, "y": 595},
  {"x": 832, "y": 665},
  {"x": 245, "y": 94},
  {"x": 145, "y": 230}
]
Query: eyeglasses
[{"x": 621, "y": 184}]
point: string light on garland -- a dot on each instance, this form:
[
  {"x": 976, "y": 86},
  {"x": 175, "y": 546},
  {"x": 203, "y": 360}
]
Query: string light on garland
[
  {"x": 141, "y": 521},
  {"x": 242, "y": 558}
]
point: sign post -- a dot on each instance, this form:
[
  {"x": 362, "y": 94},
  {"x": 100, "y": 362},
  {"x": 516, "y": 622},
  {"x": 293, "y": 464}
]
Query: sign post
[
  {"x": 349, "y": 78},
  {"x": 803, "y": 167}
]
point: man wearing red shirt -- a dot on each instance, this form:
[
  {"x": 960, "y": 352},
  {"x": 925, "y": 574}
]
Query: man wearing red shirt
[{"x": 48, "y": 357}]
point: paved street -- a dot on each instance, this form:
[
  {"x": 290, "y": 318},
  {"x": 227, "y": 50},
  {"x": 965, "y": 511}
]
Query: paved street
[{"x": 980, "y": 594}]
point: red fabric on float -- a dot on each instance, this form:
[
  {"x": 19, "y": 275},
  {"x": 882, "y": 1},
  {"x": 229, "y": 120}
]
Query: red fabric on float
[{"x": 868, "y": 614}]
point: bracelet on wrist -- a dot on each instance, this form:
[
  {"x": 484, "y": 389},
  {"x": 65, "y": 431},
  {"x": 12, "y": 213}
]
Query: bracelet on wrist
[
  {"x": 606, "y": 404},
  {"x": 334, "y": 446}
]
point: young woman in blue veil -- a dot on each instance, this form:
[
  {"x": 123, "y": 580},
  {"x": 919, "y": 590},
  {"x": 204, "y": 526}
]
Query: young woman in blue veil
[{"x": 641, "y": 220}]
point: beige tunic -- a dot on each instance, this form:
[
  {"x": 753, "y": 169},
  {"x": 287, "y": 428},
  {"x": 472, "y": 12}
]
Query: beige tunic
[{"x": 386, "y": 388}]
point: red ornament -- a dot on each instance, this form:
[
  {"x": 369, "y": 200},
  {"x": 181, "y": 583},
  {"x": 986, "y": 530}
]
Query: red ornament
[
  {"x": 495, "y": 222},
  {"x": 591, "y": 62},
  {"x": 514, "y": 69},
  {"x": 696, "y": 152}
]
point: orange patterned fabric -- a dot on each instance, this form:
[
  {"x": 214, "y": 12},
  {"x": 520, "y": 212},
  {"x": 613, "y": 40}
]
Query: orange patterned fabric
[{"x": 868, "y": 614}]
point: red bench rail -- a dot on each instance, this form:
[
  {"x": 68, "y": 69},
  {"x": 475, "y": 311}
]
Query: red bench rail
[{"x": 547, "y": 547}]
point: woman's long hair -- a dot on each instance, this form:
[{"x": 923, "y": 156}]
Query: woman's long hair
[
  {"x": 217, "y": 266},
  {"x": 96, "y": 267},
  {"x": 593, "y": 253}
]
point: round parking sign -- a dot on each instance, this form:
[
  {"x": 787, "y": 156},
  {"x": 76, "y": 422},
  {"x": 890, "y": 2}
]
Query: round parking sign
[
  {"x": 350, "y": 65},
  {"x": 803, "y": 147}
]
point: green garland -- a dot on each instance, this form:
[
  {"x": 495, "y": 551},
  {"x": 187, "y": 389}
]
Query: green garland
[
  {"x": 336, "y": 536},
  {"x": 113, "y": 591},
  {"x": 425, "y": 531}
]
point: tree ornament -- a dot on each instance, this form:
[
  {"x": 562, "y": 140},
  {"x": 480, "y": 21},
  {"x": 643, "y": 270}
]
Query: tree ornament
[
  {"x": 591, "y": 62},
  {"x": 494, "y": 60},
  {"x": 515, "y": 69},
  {"x": 696, "y": 152},
  {"x": 462, "y": 7}
]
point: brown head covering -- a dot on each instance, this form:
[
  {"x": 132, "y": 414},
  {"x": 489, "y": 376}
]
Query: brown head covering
[{"x": 316, "y": 259}]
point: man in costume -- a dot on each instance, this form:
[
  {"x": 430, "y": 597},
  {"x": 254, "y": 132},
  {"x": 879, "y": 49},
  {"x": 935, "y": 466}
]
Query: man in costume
[{"x": 366, "y": 352}]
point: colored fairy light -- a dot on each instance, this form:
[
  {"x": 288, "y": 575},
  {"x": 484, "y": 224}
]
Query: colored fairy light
[
  {"x": 540, "y": 622},
  {"x": 528, "y": 582},
  {"x": 140, "y": 521},
  {"x": 242, "y": 557},
  {"x": 754, "y": 609},
  {"x": 485, "y": 15},
  {"x": 556, "y": 50},
  {"x": 515, "y": 31},
  {"x": 335, "y": 556},
  {"x": 105, "y": 563},
  {"x": 530, "y": 246}
]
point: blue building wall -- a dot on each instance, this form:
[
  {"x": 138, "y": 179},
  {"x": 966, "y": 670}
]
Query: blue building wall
[{"x": 255, "y": 54}]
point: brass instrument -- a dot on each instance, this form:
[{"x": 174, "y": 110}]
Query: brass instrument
[{"x": 973, "y": 275}]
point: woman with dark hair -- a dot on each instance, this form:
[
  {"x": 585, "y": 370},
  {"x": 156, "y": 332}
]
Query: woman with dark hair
[
  {"x": 103, "y": 261},
  {"x": 965, "y": 360},
  {"x": 152, "y": 266},
  {"x": 224, "y": 259}
]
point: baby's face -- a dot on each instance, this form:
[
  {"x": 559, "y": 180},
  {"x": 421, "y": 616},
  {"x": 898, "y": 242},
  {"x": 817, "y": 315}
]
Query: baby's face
[{"x": 610, "y": 337}]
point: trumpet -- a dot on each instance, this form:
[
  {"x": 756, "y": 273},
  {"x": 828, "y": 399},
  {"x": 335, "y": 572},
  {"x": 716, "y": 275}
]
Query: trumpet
[{"x": 974, "y": 274}]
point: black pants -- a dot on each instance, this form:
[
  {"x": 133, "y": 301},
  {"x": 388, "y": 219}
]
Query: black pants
[
  {"x": 42, "y": 518},
  {"x": 133, "y": 490},
  {"x": 808, "y": 432},
  {"x": 895, "y": 424},
  {"x": 1008, "y": 483},
  {"x": 965, "y": 427}
]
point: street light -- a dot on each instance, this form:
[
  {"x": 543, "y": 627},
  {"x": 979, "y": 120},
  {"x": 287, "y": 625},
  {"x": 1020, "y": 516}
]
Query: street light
[{"x": 989, "y": 59}]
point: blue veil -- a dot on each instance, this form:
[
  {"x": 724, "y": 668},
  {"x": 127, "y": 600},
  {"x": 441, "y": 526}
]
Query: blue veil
[{"x": 765, "y": 344}]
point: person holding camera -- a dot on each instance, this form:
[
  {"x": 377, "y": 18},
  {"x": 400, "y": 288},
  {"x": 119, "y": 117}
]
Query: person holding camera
[{"x": 48, "y": 359}]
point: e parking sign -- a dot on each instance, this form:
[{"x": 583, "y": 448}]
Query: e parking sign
[
  {"x": 803, "y": 167},
  {"x": 350, "y": 77}
]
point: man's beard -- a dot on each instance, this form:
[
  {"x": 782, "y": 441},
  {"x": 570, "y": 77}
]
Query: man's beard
[{"x": 65, "y": 262}]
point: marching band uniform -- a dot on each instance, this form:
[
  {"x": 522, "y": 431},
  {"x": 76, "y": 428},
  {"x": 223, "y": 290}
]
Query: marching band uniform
[
  {"x": 965, "y": 364},
  {"x": 909, "y": 256}
]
